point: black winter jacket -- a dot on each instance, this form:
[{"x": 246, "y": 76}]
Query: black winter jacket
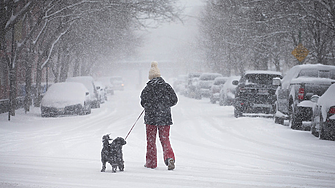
[{"x": 157, "y": 98}]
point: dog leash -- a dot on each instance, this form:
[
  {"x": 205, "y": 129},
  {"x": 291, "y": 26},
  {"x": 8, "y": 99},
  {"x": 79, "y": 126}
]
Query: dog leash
[{"x": 134, "y": 124}]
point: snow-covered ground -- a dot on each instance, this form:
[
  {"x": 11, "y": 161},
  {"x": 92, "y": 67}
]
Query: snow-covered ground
[{"x": 212, "y": 148}]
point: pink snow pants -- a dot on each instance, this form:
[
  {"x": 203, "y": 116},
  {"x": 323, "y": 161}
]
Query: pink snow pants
[{"x": 151, "y": 156}]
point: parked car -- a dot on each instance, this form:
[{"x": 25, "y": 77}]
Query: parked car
[
  {"x": 102, "y": 91},
  {"x": 88, "y": 82},
  {"x": 66, "y": 98},
  {"x": 296, "y": 89},
  {"x": 117, "y": 82},
  {"x": 227, "y": 93},
  {"x": 192, "y": 86},
  {"x": 255, "y": 92},
  {"x": 179, "y": 84},
  {"x": 192, "y": 81},
  {"x": 216, "y": 87},
  {"x": 323, "y": 119},
  {"x": 108, "y": 84},
  {"x": 205, "y": 83}
]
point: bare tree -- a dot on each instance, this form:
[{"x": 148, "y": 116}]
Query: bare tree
[
  {"x": 95, "y": 28},
  {"x": 263, "y": 33}
]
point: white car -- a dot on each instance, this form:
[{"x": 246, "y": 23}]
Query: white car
[
  {"x": 180, "y": 84},
  {"x": 323, "y": 119},
  {"x": 205, "y": 83},
  {"x": 216, "y": 87},
  {"x": 66, "y": 98},
  {"x": 102, "y": 91},
  {"x": 227, "y": 93},
  {"x": 108, "y": 84},
  {"x": 88, "y": 81},
  {"x": 117, "y": 83}
]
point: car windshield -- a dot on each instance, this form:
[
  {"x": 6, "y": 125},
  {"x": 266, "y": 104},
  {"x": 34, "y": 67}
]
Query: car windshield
[
  {"x": 259, "y": 78},
  {"x": 208, "y": 77},
  {"x": 219, "y": 82},
  {"x": 317, "y": 73},
  {"x": 116, "y": 79}
]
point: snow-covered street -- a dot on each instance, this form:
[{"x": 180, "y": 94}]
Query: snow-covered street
[{"x": 212, "y": 148}]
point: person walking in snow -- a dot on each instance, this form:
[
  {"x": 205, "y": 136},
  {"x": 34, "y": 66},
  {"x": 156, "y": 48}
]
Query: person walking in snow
[{"x": 157, "y": 98}]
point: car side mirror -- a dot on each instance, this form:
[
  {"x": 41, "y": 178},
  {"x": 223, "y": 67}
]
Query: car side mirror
[
  {"x": 235, "y": 82},
  {"x": 276, "y": 81},
  {"x": 315, "y": 98}
]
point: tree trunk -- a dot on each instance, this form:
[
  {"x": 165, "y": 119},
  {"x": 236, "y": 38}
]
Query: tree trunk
[
  {"x": 12, "y": 91},
  {"x": 277, "y": 63},
  {"x": 37, "y": 100},
  {"x": 27, "y": 98},
  {"x": 76, "y": 67},
  {"x": 64, "y": 69}
]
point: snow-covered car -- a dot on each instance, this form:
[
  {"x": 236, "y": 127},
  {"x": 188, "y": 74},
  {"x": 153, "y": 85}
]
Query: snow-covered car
[
  {"x": 108, "y": 84},
  {"x": 323, "y": 119},
  {"x": 255, "y": 92},
  {"x": 102, "y": 91},
  {"x": 180, "y": 83},
  {"x": 88, "y": 82},
  {"x": 191, "y": 87},
  {"x": 66, "y": 98},
  {"x": 206, "y": 81},
  {"x": 192, "y": 81},
  {"x": 296, "y": 89},
  {"x": 227, "y": 93},
  {"x": 117, "y": 82},
  {"x": 216, "y": 87}
]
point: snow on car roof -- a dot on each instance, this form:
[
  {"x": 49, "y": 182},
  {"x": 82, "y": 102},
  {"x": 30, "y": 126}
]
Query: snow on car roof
[
  {"x": 314, "y": 66},
  {"x": 98, "y": 83},
  {"x": 211, "y": 76},
  {"x": 263, "y": 72},
  {"x": 63, "y": 94},
  {"x": 327, "y": 100},
  {"x": 294, "y": 72},
  {"x": 88, "y": 81},
  {"x": 221, "y": 78}
]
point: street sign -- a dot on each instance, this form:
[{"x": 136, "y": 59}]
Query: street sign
[{"x": 300, "y": 52}]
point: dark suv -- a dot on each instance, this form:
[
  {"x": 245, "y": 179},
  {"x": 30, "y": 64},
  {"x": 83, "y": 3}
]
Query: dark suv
[{"x": 255, "y": 93}]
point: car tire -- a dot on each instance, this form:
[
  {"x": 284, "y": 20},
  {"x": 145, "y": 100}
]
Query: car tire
[
  {"x": 294, "y": 121},
  {"x": 198, "y": 96},
  {"x": 314, "y": 132},
  {"x": 237, "y": 113},
  {"x": 322, "y": 134},
  {"x": 220, "y": 102},
  {"x": 82, "y": 112},
  {"x": 279, "y": 120},
  {"x": 89, "y": 110},
  {"x": 44, "y": 115},
  {"x": 225, "y": 102},
  {"x": 212, "y": 100}
]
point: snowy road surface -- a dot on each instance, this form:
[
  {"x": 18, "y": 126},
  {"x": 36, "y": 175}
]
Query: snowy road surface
[{"x": 212, "y": 148}]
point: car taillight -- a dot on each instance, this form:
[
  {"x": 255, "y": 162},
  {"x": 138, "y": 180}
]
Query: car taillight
[
  {"x": 301, "y": 93},
  {"x": 332, "y": 110}
]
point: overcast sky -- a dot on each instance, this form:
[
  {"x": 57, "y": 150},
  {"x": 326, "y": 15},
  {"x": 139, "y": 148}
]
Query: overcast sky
[{"x": 161, "y": 42}]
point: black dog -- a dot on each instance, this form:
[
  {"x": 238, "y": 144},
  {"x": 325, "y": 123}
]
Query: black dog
[{"x": 112, "y": 153}]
